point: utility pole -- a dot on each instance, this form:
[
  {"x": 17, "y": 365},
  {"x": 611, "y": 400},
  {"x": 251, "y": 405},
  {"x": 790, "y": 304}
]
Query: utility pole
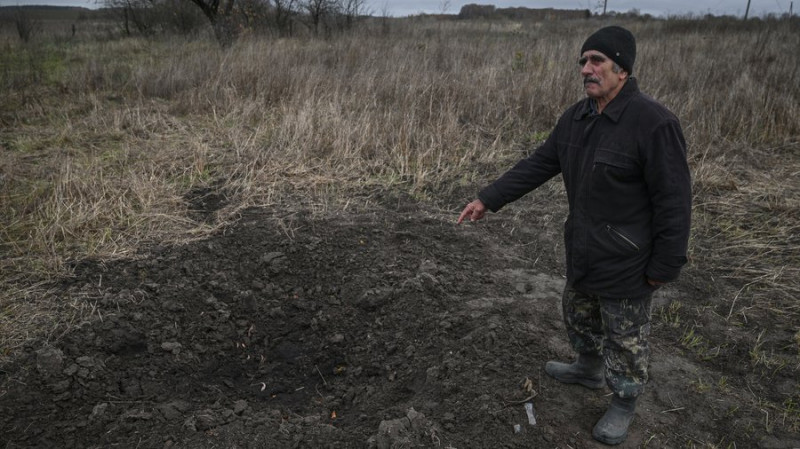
[
  {"x": 791, "y": 7},
  {"x": 605, "y": 3},
  {"x": 747, "y": 11}
]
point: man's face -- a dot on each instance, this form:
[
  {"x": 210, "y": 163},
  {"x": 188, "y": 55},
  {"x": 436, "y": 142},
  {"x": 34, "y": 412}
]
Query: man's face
[{"x": 599, "y": 80}]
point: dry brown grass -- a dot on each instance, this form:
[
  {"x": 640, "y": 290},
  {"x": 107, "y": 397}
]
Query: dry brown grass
[{"x": 103, "y": 142}]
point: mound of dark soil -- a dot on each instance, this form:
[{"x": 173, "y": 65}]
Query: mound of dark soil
[{"x": 393, "y": 328}]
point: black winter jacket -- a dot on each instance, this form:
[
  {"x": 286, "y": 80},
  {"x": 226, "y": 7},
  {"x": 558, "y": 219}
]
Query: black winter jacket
[{"x": 629, "y": 192}]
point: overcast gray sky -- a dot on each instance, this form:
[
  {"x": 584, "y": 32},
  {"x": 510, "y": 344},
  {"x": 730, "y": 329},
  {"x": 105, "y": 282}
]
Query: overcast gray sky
[{"x": 654, "y": 7}]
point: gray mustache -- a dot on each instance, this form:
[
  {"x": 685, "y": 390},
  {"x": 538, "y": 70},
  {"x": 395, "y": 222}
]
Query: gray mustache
[{"x": 589, "y": 79}]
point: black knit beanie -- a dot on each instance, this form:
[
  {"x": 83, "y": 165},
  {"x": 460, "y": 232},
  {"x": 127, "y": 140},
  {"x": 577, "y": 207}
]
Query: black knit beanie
[{"x": 615, "y": 42}]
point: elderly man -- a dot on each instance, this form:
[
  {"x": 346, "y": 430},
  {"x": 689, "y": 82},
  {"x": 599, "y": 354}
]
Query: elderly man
[{"x": 622, "y": 156}]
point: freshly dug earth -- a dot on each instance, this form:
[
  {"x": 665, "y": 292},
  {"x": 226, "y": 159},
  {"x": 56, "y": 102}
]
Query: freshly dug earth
[{"x": 387, "y": 328}]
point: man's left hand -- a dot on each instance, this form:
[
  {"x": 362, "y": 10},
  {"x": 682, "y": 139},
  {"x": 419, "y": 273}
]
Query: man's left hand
[{"x": 654, "y": 283}]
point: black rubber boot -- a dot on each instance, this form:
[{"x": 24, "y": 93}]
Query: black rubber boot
[
  {"x": 613, "y": 426},
  {"x": 587, "y": 371}
]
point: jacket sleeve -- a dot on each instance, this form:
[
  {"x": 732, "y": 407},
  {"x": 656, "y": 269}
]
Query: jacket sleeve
[
  {"x": 670, "y": 188},
  {"x": 526, "y": 175}
]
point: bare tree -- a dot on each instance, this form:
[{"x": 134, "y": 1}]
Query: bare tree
[
  {"x": 220, "y": 14},
  {"x": 317, "y": 11},
  {"x": 136, "y": 13},
  {"x": 253, "y": 14},
  {"x": 351, "y": 10},
  {"x": 284, "y": 11}
]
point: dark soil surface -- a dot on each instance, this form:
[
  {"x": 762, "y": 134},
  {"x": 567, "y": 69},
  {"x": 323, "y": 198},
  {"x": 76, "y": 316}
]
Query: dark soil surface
[{"x": 387, "y": 328}]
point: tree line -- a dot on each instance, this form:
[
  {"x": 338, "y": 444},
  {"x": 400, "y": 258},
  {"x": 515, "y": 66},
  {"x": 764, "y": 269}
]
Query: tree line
[{"x": 229, "y": 19}]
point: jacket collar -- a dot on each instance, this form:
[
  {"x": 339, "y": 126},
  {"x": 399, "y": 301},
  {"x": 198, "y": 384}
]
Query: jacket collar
[{"x": 614, "y": 109}]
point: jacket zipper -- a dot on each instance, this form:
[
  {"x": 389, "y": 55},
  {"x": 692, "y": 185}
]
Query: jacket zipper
[{"x": 630, "y": 242}]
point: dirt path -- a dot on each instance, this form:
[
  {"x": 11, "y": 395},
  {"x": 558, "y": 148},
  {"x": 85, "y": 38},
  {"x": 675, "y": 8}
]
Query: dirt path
[{"x": 392, "y": 328}]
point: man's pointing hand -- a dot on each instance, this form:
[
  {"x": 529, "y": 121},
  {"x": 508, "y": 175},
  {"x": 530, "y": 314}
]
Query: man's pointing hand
[{"x": 474, "y": 210}]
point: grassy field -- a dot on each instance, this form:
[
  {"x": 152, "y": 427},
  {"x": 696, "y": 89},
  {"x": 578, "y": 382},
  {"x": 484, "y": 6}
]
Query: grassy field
[{"x": 107, "y": 144}]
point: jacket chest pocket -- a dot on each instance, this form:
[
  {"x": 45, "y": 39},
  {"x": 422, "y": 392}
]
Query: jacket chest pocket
[{"x": 615, "y": 165}]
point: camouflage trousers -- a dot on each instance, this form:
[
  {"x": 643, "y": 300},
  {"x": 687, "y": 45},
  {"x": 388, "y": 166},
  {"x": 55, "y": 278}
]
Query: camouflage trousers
[{"x": 617, "y": 329}]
